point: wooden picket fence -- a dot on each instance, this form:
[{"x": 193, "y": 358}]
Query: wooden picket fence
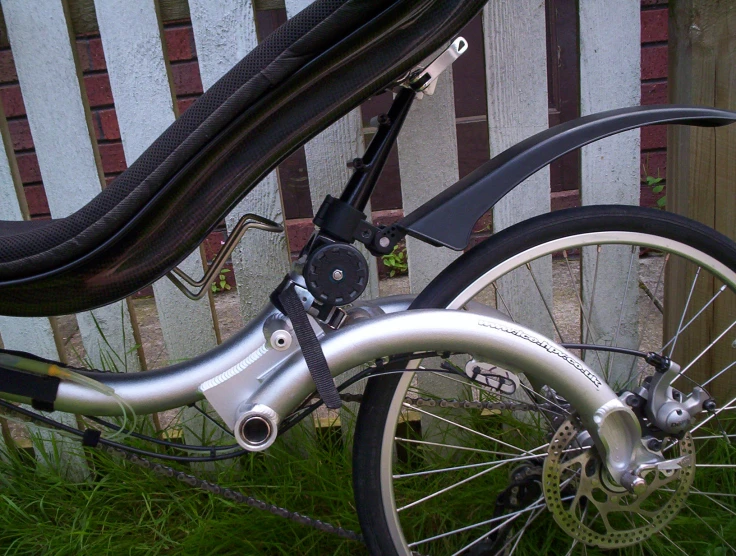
[{"x": 224, "y": 31}]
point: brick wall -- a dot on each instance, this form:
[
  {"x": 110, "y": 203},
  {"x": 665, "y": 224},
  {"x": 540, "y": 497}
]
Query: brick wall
[
  {"x": 653, "y": 90},
  {"x": 470, "y": 108}
]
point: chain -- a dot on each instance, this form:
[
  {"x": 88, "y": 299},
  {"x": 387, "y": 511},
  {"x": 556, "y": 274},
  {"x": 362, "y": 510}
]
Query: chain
[
  {"x": 296, "y": 517},
  {"x": 239, "y": 498},
  {"x": 235, "y": 496}
]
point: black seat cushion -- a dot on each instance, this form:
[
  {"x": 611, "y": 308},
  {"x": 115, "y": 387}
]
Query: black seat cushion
[{"x": 30, "y": 248}]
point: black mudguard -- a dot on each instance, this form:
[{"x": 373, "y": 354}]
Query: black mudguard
[{"x": 463, "y": 203}]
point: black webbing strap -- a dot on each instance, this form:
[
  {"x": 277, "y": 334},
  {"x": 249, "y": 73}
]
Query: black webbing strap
[{"x": 311, "y": 349}]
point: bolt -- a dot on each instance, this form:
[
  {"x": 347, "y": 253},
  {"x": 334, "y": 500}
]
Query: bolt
[
  {"x": 337, "y": 275},
  {"x": 633, "y": 401},
  {"x": 632, "y": 483},
  {"x": 384, "y": 242},
  {"x": 709, "y": 405},
  {"x": 654, "y": 445}
]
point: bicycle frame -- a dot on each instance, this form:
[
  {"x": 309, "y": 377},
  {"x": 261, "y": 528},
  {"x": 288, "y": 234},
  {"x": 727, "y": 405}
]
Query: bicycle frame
[{"x": 286, "y": 382}]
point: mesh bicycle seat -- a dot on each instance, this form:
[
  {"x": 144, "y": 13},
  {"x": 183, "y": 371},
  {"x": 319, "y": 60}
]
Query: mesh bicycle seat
[
  {"x": 28, "y": 248},
  {"x": 318, "y": 66}
]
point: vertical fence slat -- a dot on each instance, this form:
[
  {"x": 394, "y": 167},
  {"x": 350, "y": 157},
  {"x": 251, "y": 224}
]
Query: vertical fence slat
[
  {"x": 428, "y": 163},
  {"x": 610, "y": 74},
  {"x": 224, "y": 32},
  {"x": 34, "y": 335},
  {"x": 516, "y": 76},
  {"x": 145, "y": 107},
  {"x": 59, "y": 121}
]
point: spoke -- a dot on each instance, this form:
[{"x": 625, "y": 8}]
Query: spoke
[
  {"x": 714, "y": 436},
  {"x": 666, "y": 537},
  {"x": 498, "y": 294},
  {"x": 609, "y": 364},
  {"x": 722, "y": 494},
  {"x": 592, "y": 294},
  {"x": 495, "y": 464},
  {"x": 572, "y": 547},
  {"x": 723, "y": 465},
  {"x": 684, "y": 311},
  {"x": 463, "y": 427},
  {"x": 703, "y": 308},
  {"x": 443, "y": 490},
  {"x": 587, "y": 323},
  {"x": 484, "y": 535},
  {"x": 520, "y": 533},
  {"x": 538, "y": 504},
  {"x": 531, "y": 393},
  {"x": 546, "y": 305},
  {"x": 440, "y": 445},
  {"x": 721, "y": 335},
  {"x": 719, "y": 373},
  {"x": 716, "y": 533},
  {"x": 712, "y": 499}
]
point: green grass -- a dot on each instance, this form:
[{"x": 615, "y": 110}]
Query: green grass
[{"x": 125, "y": 509}]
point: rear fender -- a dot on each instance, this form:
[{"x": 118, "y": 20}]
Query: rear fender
[{"x": 467, "y": 200}]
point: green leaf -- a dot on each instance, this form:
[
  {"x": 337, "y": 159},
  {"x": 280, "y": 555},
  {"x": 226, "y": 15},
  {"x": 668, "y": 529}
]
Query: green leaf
[{"x": 658, "y": 189}]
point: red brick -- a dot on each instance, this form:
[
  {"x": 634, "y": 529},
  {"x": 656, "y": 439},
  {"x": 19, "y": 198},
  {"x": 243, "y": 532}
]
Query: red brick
[
  {"x": 38, "y": 205},
  {"x": 109, "y": 178},
  {"x": 28, "y": 168},
  {"x": 298, "y": 232},
  {"x": 654, "y": 93},
  {"x": 91, "y": 55},
  {"x": 654, "y": 62},
  {"x": 386, "y": 217},
  {"x": 113, "y": 157},
  {"x": 109, "y": 127},
  {"x": 484, "y": 223},
  {"x": 12, "y": 100},
  {"x": 213, "y": 244},
  {"x": 179, "y": 43},
  {"x": 184, "y": 103},
  {"x": 475, "y": 239},
  {"x": 648, "y": 198},
  {"x": 20, "y": 134},
  {"x": 186, "y": 78},
  {"x": 654, "y": 164},
  {"x": 654, "y": 137},
  {"x": 654, "y": 25},
  {"x": 7, "y": 67},
  {"x": 565, "y": 199},
  {"x": 99, "y": 92}
]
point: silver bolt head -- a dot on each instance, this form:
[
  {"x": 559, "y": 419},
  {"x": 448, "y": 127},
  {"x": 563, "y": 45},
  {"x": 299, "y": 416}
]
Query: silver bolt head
[
  {"x": 337, "y": 275},
  {"x": 384, "y": 242}
]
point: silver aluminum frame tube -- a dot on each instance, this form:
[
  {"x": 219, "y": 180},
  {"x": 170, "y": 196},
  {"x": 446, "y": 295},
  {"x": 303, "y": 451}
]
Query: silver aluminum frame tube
[
  {"x": 177, "y": 385},
  {"x": 613, "y": 426}
]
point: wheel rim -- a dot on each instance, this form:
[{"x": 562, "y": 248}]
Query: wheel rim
[{"x": 597, "y": 241}]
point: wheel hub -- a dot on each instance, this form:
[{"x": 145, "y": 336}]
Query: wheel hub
[{"x": 601, "y": 513}]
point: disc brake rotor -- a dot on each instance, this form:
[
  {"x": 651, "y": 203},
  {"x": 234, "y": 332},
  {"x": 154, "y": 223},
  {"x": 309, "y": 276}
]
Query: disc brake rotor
[{"x": 596, "y": 511}]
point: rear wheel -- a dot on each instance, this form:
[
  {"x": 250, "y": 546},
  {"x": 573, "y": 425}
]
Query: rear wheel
[{"x": 453, "y": 462}]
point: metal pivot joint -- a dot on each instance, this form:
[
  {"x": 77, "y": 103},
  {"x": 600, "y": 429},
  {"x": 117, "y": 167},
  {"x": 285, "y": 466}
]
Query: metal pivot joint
[{"x": 424, "y": 81}]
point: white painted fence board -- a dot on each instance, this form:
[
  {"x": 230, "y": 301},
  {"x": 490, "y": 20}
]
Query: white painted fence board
[
  {"x": 145, "y": 108},
  {"x": 59, "y": 122},
  {"x": 427, "y": 165},
  {"x": 610, "y": 73},
  {"x": 32, "y": 334},
  {"x": 516, "y": 80},
  {"x": 224, "y": 33}
]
